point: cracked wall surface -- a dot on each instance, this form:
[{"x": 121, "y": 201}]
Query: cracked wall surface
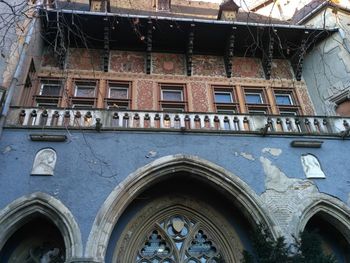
[
  {"x": 90, "y": 165},
  {"x": 327, "y": 67}
]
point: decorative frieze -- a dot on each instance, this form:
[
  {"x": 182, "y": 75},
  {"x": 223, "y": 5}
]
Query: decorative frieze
[
  {"x": 245, "y": 67},
  {"x": 165, "y": 63},
  {"x": 85, "y": 59},
  {"x": 128, "y": 62}
]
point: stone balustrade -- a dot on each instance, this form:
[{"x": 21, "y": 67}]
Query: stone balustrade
[{"x": 124, "y": 119}]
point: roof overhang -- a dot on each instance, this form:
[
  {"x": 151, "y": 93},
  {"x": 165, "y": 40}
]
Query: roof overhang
[{"x": 169, "y": 34}]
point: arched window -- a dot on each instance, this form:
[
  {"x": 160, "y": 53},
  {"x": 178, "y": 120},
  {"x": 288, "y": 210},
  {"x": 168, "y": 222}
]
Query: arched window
[
  {"x": 332, "y": 240},
  {"x": 39, "y": 240},
  {"x": 222, "y": 205},
  {"x": 38, "y": 228},
  {"x": 343, "y": 108},
  {"x": 176, "y": 230},
  {"x": 178, "y": 239}
]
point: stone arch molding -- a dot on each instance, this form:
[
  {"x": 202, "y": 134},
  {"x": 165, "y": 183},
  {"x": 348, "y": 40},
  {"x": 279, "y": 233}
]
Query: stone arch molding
[
  {"x": 138, "y": 181},
  {"x": 336, "y": 212},
  {"x": 19, "y": 212}
]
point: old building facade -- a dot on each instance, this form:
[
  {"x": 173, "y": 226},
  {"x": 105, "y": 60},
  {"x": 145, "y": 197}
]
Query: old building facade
[{"x": 166, "y": 131}]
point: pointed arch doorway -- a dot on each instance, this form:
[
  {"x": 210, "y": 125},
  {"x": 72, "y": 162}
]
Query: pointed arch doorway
[
  {"x": 181, "y": 220},
  {"x": 185, "y": 175},
  {"x": 178, "y": 229}
]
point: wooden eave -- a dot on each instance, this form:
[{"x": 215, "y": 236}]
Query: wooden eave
[{"x": 129, "y": 32}]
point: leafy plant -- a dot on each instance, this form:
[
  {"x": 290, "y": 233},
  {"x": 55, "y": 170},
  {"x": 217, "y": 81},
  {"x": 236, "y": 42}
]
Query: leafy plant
[{"x": 268, "y": 250}]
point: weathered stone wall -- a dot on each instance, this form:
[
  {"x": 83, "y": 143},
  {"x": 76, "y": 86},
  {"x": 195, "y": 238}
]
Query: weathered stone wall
[
  {"x": 247, "y": 67},
  {"x": 131, "y": 62},
  {"x": 200, "y": 97},
  {"x": 85, "y": 59},
  {"x": 90, "y": 165},
  {"x": 146, "y": 95},
  {"x": 305, "y": 101},
  {"x": 49, "y": 59},
  {"x": 208, "y": 71},
  {"x": 281, "y": 69},
  {"x": 208, "y": 66},
  {"x": 327, "y": 67},
  {"x": 164, "y": 63}
]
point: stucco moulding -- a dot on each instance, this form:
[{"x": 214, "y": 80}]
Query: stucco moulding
[
  {"x": 306, "y": 144},
  {"x": 48, "y": 137},
  {"x": 44, "y": 162}
]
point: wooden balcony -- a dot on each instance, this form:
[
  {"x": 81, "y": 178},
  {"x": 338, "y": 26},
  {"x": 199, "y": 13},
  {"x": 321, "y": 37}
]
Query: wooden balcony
[{"x": 104, "y": 120}]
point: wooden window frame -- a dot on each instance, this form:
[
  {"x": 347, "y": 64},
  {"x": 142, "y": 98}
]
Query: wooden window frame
[
  {"x": 81, "y": 83},
  {"x": 285, "y": 109},
  {"x": 48, "y": 101},
  {"x": 253, "y": 108},
  {"x": 82, "y": 102},
  {"x": 172, "y": 105},
  {"x": 225, "y": 107},
  {"x": 29, "y": 89},
  {"x": 118, "y": 103}
]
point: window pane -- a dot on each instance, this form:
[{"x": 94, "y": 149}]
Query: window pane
[
  {"x": 253, "y": 98},
  {"x": 85, "y": 91},
  {"x": 223, "y": 97},
  {"x": 172, "y": 95},
  {"x": 283, "y": 99},
  {"x": 50, "y": 90},
  {"x": 118, "y": 93}
]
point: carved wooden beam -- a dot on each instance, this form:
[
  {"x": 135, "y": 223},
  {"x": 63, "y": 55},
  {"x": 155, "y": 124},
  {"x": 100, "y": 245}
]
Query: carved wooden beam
[
  {"x": 189, "y": 52},
  {"x": 60, "y": 47},
  {"x": 268, "y": 55},
  {"x": 106, "y": 35},
  {"x": 229, "y": 52},
  {"x": 149, "y": 47},
  {"x": 297, "y": 59}
]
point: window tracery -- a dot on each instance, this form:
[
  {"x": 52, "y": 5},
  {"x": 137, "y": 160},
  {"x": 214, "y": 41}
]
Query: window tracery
[
  {"x": 178, "y": 239},
  {"x": 178, "y": 229}
]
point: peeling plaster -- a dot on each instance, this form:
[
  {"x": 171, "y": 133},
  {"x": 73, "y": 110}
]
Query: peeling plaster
[
  {"x": 248, "y": 156},
  {"x": 275, "y": 178},
  {"x": 7, "y": 149},
  {"x": 272, "y": 151},
  {"x": 151, "y": 154},
  {"x": 285, "y": 197},
  {"x": 280, "y": 182}
]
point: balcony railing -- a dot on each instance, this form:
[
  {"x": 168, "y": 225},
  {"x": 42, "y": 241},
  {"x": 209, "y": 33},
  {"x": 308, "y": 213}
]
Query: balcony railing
[{"x": 203, "y": 122}]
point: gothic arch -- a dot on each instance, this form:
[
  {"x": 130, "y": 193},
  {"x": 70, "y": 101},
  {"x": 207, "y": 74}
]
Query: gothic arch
[
  {"x": 138, "y": 181},
  {"x": 334, "y": 211},
  {"x": 19, "y": 212},
  {"x": 192, "y": 216}
]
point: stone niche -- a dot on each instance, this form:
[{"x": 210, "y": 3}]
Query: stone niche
[
  {"x": 44, "y": 162},
  {"x": 311, "y": 166}
]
